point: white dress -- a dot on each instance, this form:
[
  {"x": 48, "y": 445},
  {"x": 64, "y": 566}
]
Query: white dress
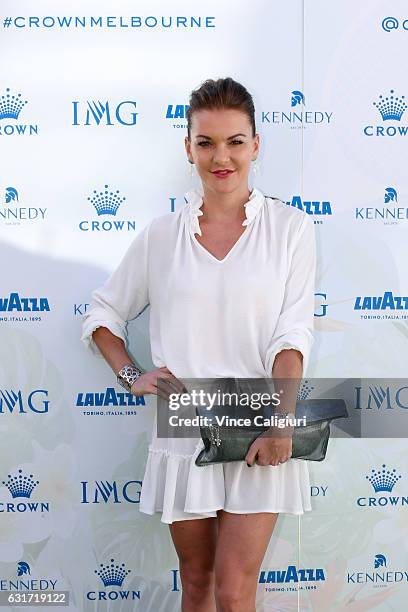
[{"x": 216, "y": 318}]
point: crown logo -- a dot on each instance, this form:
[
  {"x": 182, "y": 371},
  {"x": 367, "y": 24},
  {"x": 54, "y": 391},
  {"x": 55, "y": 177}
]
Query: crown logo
[
  {"x": 383, "y": 479},
  {"x": 380, "y": 561},
  {"x": 106, "y": 202},
  {"x": 112, "y": 575},
  {"x": 390, "y": 195},
  {"x": 10, "y": 106},
  {"x": 391, "y": 107},
  {"x": 21, "y": 486},
  {"x": 305, "y": 390},
  {"x": 297, "y": 98}
]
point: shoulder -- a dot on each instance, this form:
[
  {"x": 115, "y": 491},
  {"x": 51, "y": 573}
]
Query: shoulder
[{"x": 285, "y": 214}]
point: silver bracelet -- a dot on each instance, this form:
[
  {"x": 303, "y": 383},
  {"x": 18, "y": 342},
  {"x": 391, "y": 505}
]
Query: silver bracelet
[{"x": 128, "y": 375}]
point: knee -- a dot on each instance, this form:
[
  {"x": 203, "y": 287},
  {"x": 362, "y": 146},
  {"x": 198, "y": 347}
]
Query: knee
[
  {"x": 235, "y": 595},
  {"x": 196, "y": 581}
]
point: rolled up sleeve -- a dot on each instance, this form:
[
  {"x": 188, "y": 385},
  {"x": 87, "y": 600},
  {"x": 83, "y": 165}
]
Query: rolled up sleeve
[
  {"x": 122, "y": 297},
  {"x": 294, "y": 329}
]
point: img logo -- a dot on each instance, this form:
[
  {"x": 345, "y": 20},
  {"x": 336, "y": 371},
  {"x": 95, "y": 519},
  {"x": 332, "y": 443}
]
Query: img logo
[
  {"x": 24, "y": 581},
  {"x": 15, "y": 304},
  {"x": 14, "y": 214},
  {"x": 109, "y": 402},
  {"x": 316, "y": 208},
  {"x": 104, "y": 492},
  {"x": 283, "y": 580},
  {"x": 382, "y": 481},
  {"x": 176, "y": 113},
  {"x": 10, "y": 109},
  {"x": 298, "y": 118},
  {"x": 106, "y": 202},
  {"x": 320, "y": 305},
  {"x": 14, "y": 402},
  {"x": 390, "y": 214},
  {"x": 381, "y": 397},
  {"x": 112, "y": 577},
  {"x": 391, "y": 108},
  {"x": 103, "y": 113},
  {"x": 386, "y": 306},
  {"x": 21, "y": 487},
  {"x": 380, "y": 578}
]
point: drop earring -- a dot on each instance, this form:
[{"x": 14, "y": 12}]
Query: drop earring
[
  {"x": 255, "y": 166},
  {"x": 191, "y": 171}
]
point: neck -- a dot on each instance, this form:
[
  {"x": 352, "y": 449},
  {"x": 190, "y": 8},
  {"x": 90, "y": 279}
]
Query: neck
[{"x": 224, "y": 206}]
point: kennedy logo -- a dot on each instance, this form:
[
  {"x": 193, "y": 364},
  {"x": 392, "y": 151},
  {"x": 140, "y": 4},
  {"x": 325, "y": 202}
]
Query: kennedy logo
[
  {"x": 112, "y": 403},
  {"x": 298, "y": 118},
  {"x": 391, "y": 108},
  {"x": 107, "y": 202},
  {"x": 10, "y": 108},
  {"x": 21, "y": 486},
  {"x": 25, "y": 582},
  {"x": 382, "y": 481},
  {"x": 391, "y": 214},
  {"x": 14, "y": 214},
  {"x": 98, "y": 113},
  {"x": 113, "y": 575},
  {"x": 379, "y": 578},
  {"x": 13, "y": 401}
]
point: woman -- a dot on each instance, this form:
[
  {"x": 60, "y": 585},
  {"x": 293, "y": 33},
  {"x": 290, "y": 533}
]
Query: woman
[{"x": 230, "y": 283}]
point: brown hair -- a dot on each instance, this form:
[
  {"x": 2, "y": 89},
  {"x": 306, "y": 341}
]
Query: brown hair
[{"x": 222, "y": 93}]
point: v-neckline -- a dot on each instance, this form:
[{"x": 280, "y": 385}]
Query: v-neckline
[{"x": 229, "y": 252}]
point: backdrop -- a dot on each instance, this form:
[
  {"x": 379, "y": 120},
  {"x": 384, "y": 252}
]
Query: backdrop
[{"x": 92, "y": 120}]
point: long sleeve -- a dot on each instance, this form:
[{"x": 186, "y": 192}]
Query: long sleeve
[
  {"x": 295, "y": 324},
  {"x": 122, "y": 297}
]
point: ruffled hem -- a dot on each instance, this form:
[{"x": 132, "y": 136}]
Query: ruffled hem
[{"x": 175, "y": 486}]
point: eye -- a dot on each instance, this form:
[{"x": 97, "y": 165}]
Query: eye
[
  {"x": 203, "y": 143},
  {"x": 237, "y": 142}
]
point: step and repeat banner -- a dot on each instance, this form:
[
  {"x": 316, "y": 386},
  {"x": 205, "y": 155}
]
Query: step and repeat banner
[{"x": 93, "y": 100}]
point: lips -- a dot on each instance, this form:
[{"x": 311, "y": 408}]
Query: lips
[{"x": 225, "y": 172}]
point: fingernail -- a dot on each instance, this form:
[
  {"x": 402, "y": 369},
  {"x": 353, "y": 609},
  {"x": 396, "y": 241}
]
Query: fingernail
[{"x": 248, "y": 464}]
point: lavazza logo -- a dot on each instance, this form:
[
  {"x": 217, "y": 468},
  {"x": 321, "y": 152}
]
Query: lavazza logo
[
  {"x": 287, "y": 579},
  {"x": 391, "y": 109},
  {"x": 382, "y": 482},
  {"x": 316, "y": 208},
  {"x": 106, "y": 203},
  {"x": 97, "y": 113},
  {"x": 14, "y": 308},
  {"x": 377, "y": 307},
  {"x": 113, "y": 575},
  {"x": 20, "y": 488},
  {"x": 390, "y": 212},
  {"x": 14, "y": 214},
  {"x": 25, "y": 581},
  {"x": 177, "y": 115},
  {"x": 299, "y": 117},
  {"x": 109, "y": 403},
  {"x": 380, "y": 576},
  {"x": 10, "y": 108}
]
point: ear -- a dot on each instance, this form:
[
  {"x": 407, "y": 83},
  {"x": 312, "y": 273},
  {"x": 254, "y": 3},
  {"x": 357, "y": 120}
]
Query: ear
[
  {"x": 256, "y": 146},
  {"x": 187, "y": 145}
]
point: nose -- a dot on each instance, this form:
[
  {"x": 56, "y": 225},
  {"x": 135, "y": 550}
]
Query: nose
[{"x": 221, "y": 154}]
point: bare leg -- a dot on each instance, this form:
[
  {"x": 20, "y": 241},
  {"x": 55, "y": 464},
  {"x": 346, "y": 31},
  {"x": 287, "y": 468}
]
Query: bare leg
[
  {"x": 241, "y": 546},
  {"x": 195, "y": 543}
]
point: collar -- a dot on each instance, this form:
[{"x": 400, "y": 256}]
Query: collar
[{"x": 194, "y": 199}]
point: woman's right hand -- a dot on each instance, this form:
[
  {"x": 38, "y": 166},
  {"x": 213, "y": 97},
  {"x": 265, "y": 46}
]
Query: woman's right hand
[{"x": 148, "y": 383}]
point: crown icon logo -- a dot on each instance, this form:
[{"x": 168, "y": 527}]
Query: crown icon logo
[
  {"x": 111, "y": 574},
  {"x": 106, "y": 202},
  {"x": 380, "y": 561},
  {"x": 383, "y": 479},
  {"x": 391, "y": 107},
  {"x": 20, "y": 486},
  {"x": 10, "y": 106},
  {"x": 297, "y": 98}
]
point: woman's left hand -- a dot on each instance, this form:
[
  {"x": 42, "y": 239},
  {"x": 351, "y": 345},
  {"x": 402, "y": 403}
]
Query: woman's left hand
[{"x": 270, "y": 451}]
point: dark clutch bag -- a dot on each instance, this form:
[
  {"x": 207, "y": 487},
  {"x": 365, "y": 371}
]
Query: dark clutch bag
[{"x": 231, "y": 443}]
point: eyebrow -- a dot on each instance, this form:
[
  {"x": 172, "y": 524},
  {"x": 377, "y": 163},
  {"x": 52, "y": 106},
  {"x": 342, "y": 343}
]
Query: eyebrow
[{"x": 229, "y": 137}]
